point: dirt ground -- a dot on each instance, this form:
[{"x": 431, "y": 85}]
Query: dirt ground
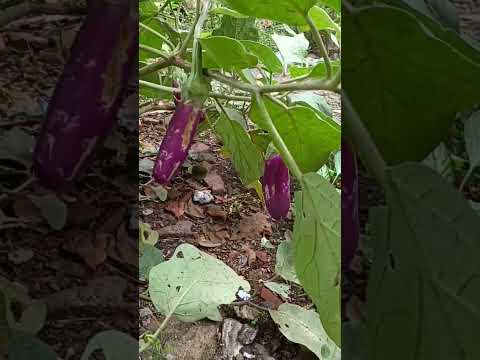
[{"x": 230, "y": 228}]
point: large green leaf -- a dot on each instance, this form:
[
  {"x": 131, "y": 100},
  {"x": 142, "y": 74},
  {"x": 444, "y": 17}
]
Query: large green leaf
[
  {"x": 316, "y": 236},
  {"x": 287, "y": 11},
  {"x": 334, "y": 4},
  {"x": 147, "y": 9},
  {"x": 322, "y": 20},
  {"x": 265, "y": 55},
  {"x": 227, "y": 53},
  {"x": 238, "y": 28},
  {"x": 318, "y": 71},
  {"x": 309, "y": 137},
  {"x": 114, "y": 344},
  {"x": 412, "y": 96},
  {"x": 210, "y": 282},
  {"x": 26, "y": 347},
  {"x": 429, "y": 289},
  {"x": 246, "y": 159},
  {"x": 304, "y": 327}
]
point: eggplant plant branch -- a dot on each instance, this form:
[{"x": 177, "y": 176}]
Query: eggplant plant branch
[
  {"x": 318, "y": 39},
  {"x": 361, "y": 140},
  {"x": 277, "y": 139},
  {"x": 178, "y": 91}
]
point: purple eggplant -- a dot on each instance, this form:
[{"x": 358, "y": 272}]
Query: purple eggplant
[
  {"x": 276, "y": 187},
  {"x": 82, "y": 111},
  {"x": 350, "y": 216},
  {"x": 177, "y": 141}
]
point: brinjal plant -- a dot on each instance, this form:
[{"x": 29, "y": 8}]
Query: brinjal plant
[{"x": 260, "y": 96}]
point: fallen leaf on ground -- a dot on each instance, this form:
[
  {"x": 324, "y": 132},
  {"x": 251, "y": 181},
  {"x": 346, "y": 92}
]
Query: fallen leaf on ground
[
  {"x": 198, "y": 147},
  {"x": 177, "y": 207},
  {"x": 216, "y": 212},
  {"x": 252, "y": 227},
  {"x": 102, "y": 292},
  {"x": 20, "y": 256},
  {"x": 124, "y": 248},
  {"x": 215, "y": 182},
  {"x": 270, "y": 297},
  {"x": 251, "y": 255},
  {"x": 90, "y": 246},
  {"x": 181, "y": 228},
  {"x": 216, "y": 234},
  {"x": 147, "y": 212},
  {"x": 194, "y": 210},
  {"x": 263, "y": 256},
  {"x": 206, "y": 242}
]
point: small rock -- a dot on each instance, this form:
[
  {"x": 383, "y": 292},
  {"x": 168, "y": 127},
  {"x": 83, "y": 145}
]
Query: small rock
[
  {"x": 147, "y": 212},
  {"x": 246, "y": 312},
  {"x": 243, "y": 295},
  {"x": 247, "y": 335},
  {"x": 203, "y": 196}
]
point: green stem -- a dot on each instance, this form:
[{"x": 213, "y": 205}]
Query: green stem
[
  {"x": 278, "y": 140},
  {"x": 363, "y": 143},
  {"x": 177, "y": 91},
  {"x": 318, "y": 39},
  {"x": 168, "y": 317},
  {"x": 466, "y": 177},
  {"x": 153, "y": 51},
  {"x": 156, "y": 33}
]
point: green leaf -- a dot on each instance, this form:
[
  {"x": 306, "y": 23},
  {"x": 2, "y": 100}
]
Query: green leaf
[
  {"x": 309, "y": 137},
  {"x": 238, "y": 28},
  {"x": 27, "y": 347},
  {"x": 53, "y": 210},
  {"x": 229, "y": 12},
  {"x": 147, "y": 235},
  {"x": 265, "y": 55},
  {"x": 304, "y": 327},
  {"x": 115, "y": 345},
  {"x": 472, "y": 138},
  {"x": 17, "y": 145},
  {"x": 322, "y": 20},
  {"x": 293, "y": 49},
  {"x": 285, "y": 11},
  {"x": 311, "y": 99},
  {"x": 147, "y": 9},
  {"x": 246, "y": 159},
  {"x": 212, "y": 284},
  {"x": 151, "y": 256},
  {"x": 32, "y": 315},
  {"x": 279, "y": 288},
  {"x": 421, "y": 296},
  {"x": 440, "y": 161},
  {"x": 334, "y": 4},
  {"x": 318, "y": 71},
  {"x": 227, "y": 53},
  {"x": 316, "y": 237},
  {"x": 405, "y": 79}
]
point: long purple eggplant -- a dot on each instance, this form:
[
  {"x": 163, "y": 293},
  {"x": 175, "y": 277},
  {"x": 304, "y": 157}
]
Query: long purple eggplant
[
  {"x": 350, "y": 216},
  {"x": 87, "y": 97},
  {"x": 177, "y": 141},
  {"x": 276, "y": 187}
]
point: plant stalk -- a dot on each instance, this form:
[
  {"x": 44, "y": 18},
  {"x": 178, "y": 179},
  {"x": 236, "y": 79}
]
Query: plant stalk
[
  {"x": 318, "y": 39},
  {"x": 360, "y": 138},
  {"x": 278, "y": 140}
]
